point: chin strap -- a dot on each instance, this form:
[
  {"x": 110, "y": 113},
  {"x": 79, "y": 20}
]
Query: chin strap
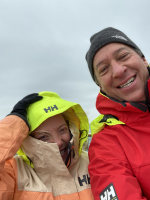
[
  {"x": 68, "y": 160},
  {"x": 70, "y": 149}
]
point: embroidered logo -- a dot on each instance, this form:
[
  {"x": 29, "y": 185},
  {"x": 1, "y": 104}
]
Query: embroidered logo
[
  {"x": 108, "y": 193},
  {"x": 86, "y": 179},
  {"x": 51, "y": 108},
  {"x": 120, "y": 37}
]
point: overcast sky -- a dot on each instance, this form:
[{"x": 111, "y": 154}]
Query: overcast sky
[{"x": 43, "y": 45}]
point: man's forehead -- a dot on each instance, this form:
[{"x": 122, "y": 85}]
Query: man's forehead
[{"x": 113, "y": 49}]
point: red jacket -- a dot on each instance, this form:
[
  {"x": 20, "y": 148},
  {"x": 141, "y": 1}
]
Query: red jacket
[{"x": 120, "y": 154}]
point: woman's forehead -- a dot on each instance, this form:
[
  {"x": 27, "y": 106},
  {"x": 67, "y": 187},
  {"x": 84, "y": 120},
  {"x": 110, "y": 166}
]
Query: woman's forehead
[{"x": 51, "y": 123}]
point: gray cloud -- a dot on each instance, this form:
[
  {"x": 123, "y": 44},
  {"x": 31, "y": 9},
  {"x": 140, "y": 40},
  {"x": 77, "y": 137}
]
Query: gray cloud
[{"x": 43, "y": 45}]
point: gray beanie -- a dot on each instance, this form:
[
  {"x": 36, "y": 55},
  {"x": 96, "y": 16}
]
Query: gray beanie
[{"x": 100, "y": 39}]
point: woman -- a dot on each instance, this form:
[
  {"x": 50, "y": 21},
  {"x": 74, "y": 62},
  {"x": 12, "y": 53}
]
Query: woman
[{"x": 50, "y": 163}]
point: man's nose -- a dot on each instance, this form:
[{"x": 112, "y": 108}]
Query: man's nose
[{"x": 118, "y": 69}]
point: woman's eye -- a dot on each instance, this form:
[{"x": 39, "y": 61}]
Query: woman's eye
[
  {"x": 63, "y": 130},
  {"x": 43, "y": 138}
]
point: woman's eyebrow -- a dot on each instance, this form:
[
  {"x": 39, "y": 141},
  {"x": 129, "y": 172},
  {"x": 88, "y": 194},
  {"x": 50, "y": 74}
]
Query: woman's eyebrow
[
  {"x": 62, "y": 125},
  {"x": 44, "y": 131}
]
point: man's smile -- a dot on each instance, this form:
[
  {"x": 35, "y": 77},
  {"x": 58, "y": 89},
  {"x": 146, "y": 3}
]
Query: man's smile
[{"x": 129, "y": 82}]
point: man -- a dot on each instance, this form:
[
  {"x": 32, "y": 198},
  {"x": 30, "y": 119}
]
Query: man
[
  {"x": 120, "y": 151},
  {"x": 49, "y": 133}
]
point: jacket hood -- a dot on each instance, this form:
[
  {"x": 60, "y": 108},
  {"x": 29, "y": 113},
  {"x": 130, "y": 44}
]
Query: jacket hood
[
  {"x": 113, "y": 112},
  {"x": 52, "y": 105}
]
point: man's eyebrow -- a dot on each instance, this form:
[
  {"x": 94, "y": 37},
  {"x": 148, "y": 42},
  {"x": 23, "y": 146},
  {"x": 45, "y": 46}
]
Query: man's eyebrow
[
  {"x": 118, "y": 50},
  {"x": 99, "y": 63},
  {"x": 114, "y": 53}
]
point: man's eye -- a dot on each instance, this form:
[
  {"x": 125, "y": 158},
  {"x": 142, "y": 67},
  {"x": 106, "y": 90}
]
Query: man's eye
[
  {"x": 123, "y": 56},
  {"x": 103, "y": 70}
]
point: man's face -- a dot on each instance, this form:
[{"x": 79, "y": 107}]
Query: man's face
[
  {"x": 121, "y": 72},
  {"x": 54, "y": 130}
]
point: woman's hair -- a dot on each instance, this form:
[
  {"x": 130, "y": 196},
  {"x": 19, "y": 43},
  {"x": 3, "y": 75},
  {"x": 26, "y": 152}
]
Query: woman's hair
[
  {"x": 66, "y": 118},
  {"x": 71, "y": 118}
]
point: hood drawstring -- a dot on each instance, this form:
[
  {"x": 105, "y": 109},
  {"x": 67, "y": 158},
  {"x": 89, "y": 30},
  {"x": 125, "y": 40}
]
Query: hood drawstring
[
  {"x": 68, "y": 160},
  {"x": 70, "y": 149}
]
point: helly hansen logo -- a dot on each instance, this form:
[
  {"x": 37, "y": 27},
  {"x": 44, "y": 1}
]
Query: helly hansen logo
[
  {"x": 109, "y": 193},
  {"x": 85, "y": 179},
  {"x": 51, "y": 108},
  {"x": 120, "y": 37}
]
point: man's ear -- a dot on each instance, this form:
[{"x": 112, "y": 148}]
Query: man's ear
[
  {"x": 100, "y": 87},
  {"x": 145, "y": 61}
]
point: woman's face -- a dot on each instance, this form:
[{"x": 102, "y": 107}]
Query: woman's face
[{"x": 54, "y": 130}]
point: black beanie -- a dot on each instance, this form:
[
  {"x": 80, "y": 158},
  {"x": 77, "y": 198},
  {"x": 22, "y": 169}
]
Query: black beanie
[{"x": 100, "y": 39}]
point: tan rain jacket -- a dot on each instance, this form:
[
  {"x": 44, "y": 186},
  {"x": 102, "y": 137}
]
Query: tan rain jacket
[{"x": 49, "y": 179}]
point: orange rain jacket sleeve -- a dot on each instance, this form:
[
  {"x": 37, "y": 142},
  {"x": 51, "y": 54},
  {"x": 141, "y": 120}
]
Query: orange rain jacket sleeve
[{"x": 13, "y": 131}]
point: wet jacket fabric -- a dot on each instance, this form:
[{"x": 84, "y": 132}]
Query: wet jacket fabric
[
  {"x": 48, "y": 178},
  {"x": 119, "y": 152}
]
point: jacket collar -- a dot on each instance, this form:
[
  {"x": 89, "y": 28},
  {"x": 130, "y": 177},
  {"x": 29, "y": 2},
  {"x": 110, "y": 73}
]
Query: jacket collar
[
  {"x": 46, "y": 157},
  {"x": 106, "y": 105}
]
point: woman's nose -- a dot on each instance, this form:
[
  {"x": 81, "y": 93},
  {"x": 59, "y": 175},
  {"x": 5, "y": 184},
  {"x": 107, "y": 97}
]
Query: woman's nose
[{"x": 57, "y": 140}]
